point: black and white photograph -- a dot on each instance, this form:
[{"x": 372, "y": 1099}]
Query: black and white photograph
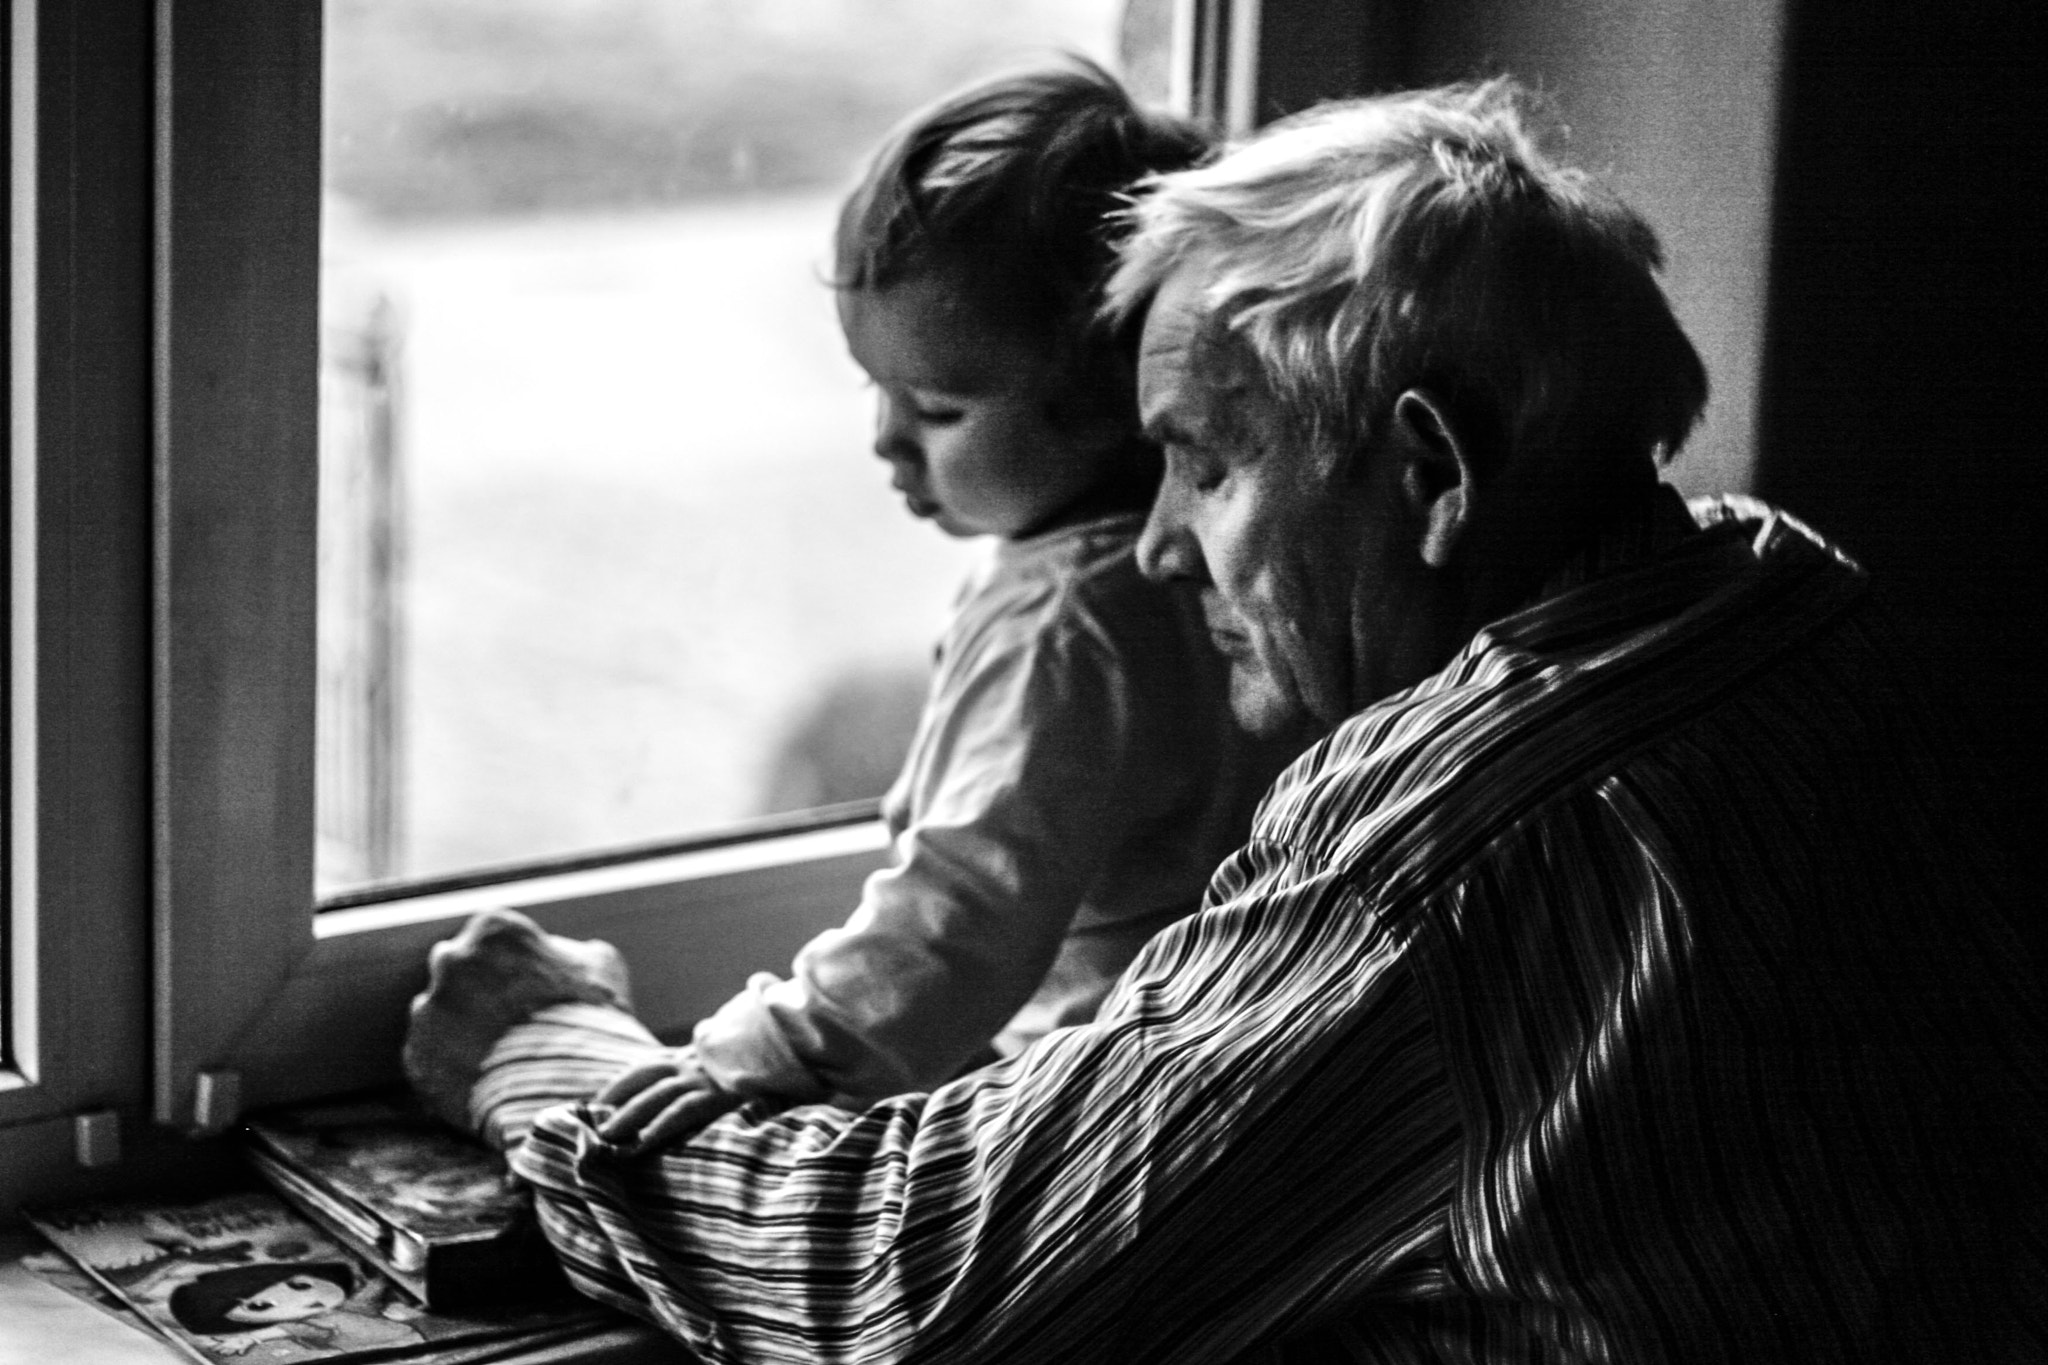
[{"x": 1270, "y": 682}]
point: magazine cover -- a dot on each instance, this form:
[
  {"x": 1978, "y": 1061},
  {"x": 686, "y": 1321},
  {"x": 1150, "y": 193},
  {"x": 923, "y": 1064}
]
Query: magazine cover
[
  {"x": 243, "y": 1278},
  {"x": 437, "y": 1213}
]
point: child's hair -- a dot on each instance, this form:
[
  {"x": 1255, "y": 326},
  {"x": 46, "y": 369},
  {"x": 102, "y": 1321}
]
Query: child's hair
[
  {"x": 1016, "y": 186},
  {"x": 201, "y": 1305}
]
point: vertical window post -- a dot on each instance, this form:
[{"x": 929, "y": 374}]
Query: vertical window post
[{"x": 236, "y": 354}]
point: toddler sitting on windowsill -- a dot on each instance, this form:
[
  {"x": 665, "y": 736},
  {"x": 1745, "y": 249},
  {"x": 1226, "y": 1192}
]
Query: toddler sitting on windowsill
[{"x": 1076, "y": 774}]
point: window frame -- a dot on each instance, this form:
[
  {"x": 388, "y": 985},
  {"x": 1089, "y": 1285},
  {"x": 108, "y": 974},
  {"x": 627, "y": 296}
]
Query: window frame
[{"x": 77, "y": 838}]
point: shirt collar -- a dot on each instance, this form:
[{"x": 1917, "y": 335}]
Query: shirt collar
[
  {"x": 1652, "y": 559},
  {"x": 1642, "y": 530}
]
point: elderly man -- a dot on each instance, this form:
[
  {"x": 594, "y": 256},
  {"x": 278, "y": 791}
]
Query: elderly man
[{"x": 1611, "y": 984}]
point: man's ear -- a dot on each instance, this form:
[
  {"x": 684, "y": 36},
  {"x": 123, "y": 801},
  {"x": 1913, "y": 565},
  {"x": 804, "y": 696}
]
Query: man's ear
[{"x": 1436, "y": 473}]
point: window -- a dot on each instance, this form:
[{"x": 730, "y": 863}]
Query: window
[
  {"x": 605, "y": 560},
  {"x": 253, "y": 992},
  {"x": 164, "y": 404}
]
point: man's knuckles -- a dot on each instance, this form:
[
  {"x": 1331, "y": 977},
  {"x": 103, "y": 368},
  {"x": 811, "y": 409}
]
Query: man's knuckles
[
  {"x": 504, "y": 958},
  {"x": 600, "y": 966}
]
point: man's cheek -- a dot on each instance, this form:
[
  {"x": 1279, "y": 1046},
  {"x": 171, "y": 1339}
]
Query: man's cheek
[{"x": 1301, "y": 652}]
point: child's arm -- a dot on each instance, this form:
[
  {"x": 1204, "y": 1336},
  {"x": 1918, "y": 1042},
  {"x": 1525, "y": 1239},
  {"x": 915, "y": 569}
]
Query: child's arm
[{"x": 1021, "y": 792}]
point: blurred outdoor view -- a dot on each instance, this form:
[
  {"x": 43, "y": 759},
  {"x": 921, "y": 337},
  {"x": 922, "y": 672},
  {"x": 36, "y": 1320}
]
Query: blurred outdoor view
[{"x": 605, "y": 556}]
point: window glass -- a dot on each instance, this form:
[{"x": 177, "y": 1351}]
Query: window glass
[{"x": 605, "y": 558}]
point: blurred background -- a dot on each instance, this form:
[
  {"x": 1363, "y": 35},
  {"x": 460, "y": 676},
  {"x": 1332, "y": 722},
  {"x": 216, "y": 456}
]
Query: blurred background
[{"x": 605, "y": 557}]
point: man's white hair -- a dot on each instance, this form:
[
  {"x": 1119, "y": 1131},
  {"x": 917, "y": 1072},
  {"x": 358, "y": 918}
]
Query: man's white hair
[{"x": 1422, "y": 240}]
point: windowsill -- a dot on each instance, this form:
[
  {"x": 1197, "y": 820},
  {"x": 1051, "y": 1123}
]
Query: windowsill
[
  {"x": 673, "y": 870},
  {"x": 692, "y": 926},
  {"x": 39, "y": 1321}
]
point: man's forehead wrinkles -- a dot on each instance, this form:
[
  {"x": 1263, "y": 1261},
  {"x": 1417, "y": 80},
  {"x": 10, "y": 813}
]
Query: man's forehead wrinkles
[
  {"x": 1178, "y": 408},
  {"x": 1166, "y": 343},
  {"x": 1188, "y": 376}
]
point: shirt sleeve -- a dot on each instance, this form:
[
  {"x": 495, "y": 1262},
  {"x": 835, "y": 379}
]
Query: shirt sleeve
[
  {"x": 1247, "y": 1138},
  {"x": 1037, "y": 756},
  {"x": 563, "y": 1054}
]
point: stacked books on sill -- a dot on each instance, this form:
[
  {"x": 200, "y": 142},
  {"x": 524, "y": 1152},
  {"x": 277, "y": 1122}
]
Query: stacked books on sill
[{"x": 379, "y": 1236}]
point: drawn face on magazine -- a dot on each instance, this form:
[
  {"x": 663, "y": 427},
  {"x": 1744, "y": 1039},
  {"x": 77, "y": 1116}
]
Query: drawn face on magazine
[
  {"x": 303, "y": 1305},
  {"x": 293, "y": 1300}
]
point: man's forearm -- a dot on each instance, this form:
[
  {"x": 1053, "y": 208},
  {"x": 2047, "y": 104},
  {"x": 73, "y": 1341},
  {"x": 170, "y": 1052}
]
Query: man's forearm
[{"x": 1116, "y": 1194}]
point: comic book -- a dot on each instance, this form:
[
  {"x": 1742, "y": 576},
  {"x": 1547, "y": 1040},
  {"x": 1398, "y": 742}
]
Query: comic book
[
  {"x": 243, "y": 1278},
  {"x": 437, "y": 1213}
]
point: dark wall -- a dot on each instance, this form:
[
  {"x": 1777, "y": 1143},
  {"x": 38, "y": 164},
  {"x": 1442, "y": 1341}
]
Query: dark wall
[
  {"x": 1672, "y": 102},
  {"x": 1849, "y": 194},
  {"x": 1900, "y": 394}
]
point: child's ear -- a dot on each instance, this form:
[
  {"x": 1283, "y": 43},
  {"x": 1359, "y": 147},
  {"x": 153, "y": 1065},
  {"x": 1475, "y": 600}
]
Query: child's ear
[{"x": 1435, "y": 467}]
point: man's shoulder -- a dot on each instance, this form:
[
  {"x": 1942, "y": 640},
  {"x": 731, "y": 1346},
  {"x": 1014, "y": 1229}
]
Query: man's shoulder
[
  {"x": 1564, "y": 694},
  {"x": 1383, "y": 769}
]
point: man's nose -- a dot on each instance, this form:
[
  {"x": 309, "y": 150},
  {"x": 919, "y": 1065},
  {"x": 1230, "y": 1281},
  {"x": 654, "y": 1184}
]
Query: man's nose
[{"x": 1166, "y": 548}]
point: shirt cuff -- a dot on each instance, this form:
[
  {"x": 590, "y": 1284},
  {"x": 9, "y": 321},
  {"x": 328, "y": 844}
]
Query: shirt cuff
[{"x": 562, "y": 1054}]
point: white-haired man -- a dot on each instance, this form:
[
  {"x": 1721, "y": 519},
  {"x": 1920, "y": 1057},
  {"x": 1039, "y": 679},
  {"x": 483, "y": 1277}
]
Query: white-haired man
[{"x": 1610, "y": 984}]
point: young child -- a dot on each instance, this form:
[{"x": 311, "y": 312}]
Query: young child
[{"x": 1076, "y": 775}]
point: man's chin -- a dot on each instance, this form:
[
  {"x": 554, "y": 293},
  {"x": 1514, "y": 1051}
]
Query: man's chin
[{"x": 1262, "y": 707}]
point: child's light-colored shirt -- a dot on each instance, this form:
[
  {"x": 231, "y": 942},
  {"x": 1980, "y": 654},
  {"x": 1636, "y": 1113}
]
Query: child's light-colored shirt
[{"x": 1075, "y": 779}]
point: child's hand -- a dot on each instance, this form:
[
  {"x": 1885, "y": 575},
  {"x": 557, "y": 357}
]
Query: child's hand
[{"x": 658, "y": 1102}]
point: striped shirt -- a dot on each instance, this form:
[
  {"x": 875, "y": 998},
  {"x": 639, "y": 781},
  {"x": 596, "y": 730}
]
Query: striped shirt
[{"x": 1625, "y": 992}]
